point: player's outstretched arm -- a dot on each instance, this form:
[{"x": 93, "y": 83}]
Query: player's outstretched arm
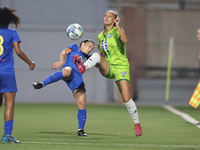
[
  {"x": 63, "y": 55},
  {"x": 23, "y": 56}
]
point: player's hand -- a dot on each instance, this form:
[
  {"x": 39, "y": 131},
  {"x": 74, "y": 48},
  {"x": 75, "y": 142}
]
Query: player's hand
[
  {"x": 117, "y": 21},
  {"x": 31, "y": 65},
  {"x": 57, "y": 65}
]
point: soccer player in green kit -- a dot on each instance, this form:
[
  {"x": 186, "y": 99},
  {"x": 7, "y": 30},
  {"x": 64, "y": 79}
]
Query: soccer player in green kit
[{"x": 112, "y": 62}]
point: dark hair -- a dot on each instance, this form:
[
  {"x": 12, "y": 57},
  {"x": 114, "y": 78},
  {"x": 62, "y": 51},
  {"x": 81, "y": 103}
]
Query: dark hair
[
  {"x": 7, "y": 16},
  {"x": 86, "y": 40},
  {"x": 115, "y": 18}
]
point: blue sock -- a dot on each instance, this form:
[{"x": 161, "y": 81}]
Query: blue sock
[
  {"x": 53, "y": 78},
  {"x": 82, "y": 115},
  {"x": 8, "y": 126}
]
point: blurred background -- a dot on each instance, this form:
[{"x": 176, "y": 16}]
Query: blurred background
[{"x": 149, "y": 24}]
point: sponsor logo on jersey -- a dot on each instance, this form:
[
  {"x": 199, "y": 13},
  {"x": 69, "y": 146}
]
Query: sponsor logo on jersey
[
  {"x": 110, "y": 35},
  {"x": 2, "y": 59},
  {"x": 82, "y": 59}
]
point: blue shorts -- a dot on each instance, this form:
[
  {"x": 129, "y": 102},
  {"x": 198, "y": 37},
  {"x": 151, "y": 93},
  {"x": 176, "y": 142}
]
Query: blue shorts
[
  {"x": 75, "y": 82},
  {"x": 8, "y": 83}
]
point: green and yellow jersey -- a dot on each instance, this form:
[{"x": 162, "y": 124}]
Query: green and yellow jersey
[
  {"x": 112, "y": 46},
  {"x": 114, "y": 50}
]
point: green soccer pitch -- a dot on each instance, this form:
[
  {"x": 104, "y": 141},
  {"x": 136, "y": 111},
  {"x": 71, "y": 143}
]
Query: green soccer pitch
[{"x": 109, "y": 127}]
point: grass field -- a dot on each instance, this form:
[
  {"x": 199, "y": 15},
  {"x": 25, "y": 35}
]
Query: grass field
[{"x": 109, "y": 127}]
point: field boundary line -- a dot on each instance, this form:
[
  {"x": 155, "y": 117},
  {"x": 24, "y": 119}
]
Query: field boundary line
[
  {"x": 183, "y": 115},
  {"x": 107, "y": 144}
]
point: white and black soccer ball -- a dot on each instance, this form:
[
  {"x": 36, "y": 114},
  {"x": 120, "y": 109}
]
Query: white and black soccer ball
[{"x": 74, "y": 31}]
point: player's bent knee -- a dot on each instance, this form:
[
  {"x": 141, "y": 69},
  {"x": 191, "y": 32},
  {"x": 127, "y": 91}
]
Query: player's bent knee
[{"x": 66, "y": 72}]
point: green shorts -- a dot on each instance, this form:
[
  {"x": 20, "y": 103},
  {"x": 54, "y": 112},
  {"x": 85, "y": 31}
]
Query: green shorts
[{"x": 119, "y": 73}]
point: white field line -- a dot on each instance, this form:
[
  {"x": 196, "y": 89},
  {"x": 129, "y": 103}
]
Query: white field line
[
  {"x": 108, "y": 144},
  {"x": 183, "y": 115}
]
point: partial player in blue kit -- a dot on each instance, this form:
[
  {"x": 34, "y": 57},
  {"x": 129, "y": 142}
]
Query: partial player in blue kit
[
  {"x": 70, "y": 74},
  {"x": 9, "y": 39}
]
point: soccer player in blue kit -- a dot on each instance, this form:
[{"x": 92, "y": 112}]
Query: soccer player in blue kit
[
  {"x": 70, "y": 74},
  {"x": 9, "y": 39}
]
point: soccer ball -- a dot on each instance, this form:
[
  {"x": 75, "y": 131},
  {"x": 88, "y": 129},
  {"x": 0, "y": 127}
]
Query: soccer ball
[{"x": 74, "y": 31}]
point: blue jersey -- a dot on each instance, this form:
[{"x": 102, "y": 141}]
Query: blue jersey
[
  {"x": 70, "y": 57},
  {"x": 7, "y": 37},
  {"x": 7, "y": 72},
  {"x": 76, "y": 80}
]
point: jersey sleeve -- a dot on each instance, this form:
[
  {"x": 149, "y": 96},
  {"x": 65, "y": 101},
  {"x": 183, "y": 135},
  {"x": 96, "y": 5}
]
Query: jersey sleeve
[
  {"x": 72, "y": 46},
  {"x": 16, "y": 37},
  {"x": 117, "y": 32}
]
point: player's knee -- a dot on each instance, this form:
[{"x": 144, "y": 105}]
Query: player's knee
[
  {"x": 66, "y": 72},
  {"x": 126, "y": 98},
  {"x": 10, "y": 105},
  {"x": 81, "y": 105}
]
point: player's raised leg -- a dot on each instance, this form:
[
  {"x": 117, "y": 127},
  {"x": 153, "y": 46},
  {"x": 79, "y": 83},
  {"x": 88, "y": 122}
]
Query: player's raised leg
[
  {"x": 91, "y": 62},
  {"x": 64, "y": 74},
  {"x": 79, "y": 64},
  {"x": 52, "y": 78}
]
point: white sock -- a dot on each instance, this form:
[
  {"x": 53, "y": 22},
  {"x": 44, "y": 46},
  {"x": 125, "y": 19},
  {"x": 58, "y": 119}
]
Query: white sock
[
  {"x": 132, "y": 109},
  {"x": 92, "y": 61}
]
